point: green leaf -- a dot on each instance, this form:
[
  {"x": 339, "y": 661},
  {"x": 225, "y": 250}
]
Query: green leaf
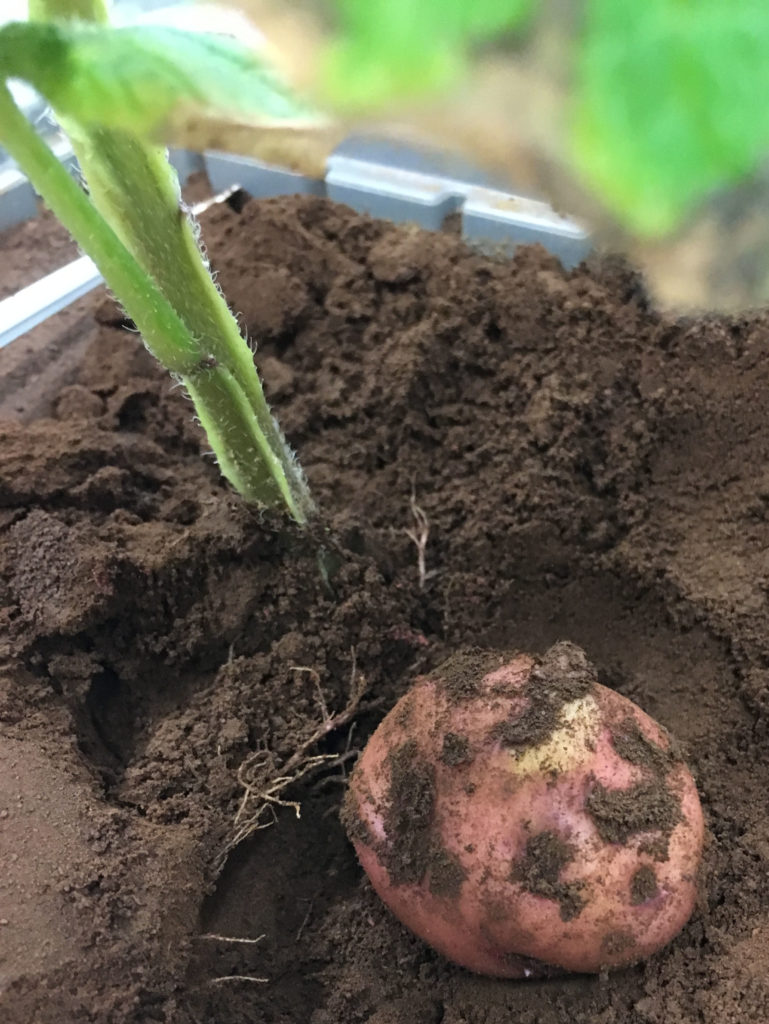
[
  {"x": 85, "y": 10},
  {"x": 157, "y": 83},
  {"x": 670, "y": 104},
  {"x": 484, "y": 19},
  {"x": 419, "y": 25},
  {"x": 393, "y": 49}
]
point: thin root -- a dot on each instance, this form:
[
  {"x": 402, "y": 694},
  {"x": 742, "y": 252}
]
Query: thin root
[
  {"x": 418, "y": 537},
  {"x": 210, "y": 937},
  {"x": 264, "y": 780},
  {"x": 238, "y": 977},
  {"x": 305, "y": 921}
]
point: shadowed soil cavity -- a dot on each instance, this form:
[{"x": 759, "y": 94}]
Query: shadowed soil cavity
[{"x": 588, "y": 471}]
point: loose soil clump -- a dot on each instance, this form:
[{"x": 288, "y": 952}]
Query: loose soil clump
[
  {"x": 539, "y": 873},
  {"x": 588, "y": 471}
]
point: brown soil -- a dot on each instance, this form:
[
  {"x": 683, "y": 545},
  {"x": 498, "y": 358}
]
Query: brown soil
[
  {"x": 32, "y": 249},
  {"x": 589, "y": 472}
]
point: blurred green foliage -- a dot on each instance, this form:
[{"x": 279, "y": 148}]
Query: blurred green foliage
[
  {"x": 668, "y": 101},
  {"x": 388, "y": 50}
]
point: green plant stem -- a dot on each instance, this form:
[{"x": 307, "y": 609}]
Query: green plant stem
[
  {"x": 258, "y": 463},
  {"x": 136, "y": 190},
  {"x": 223, "y": 406},
  {"x": 165, "y": 334}
]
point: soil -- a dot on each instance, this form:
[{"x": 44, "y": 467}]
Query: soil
[
  {"x": 32, "y": 249},
  {"x": 589, "y": 471}
]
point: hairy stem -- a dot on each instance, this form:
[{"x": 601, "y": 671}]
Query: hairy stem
[
  {"x": 137, "y": 192},
  {"x": 164, "y": 332},
  {"x": 256, "y": 461}
]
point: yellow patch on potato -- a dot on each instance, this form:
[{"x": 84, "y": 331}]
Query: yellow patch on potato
[{"x": 567, "y": 746}]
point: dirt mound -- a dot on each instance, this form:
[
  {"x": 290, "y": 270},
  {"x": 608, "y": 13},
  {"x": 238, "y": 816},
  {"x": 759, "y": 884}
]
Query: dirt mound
[{"x": 588, "y": 471}]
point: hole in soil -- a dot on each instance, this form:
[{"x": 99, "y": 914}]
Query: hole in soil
[
  {"x": 281, "y": 884},
  {"x": 237, "y": 200},
  {"x": 107, "y": 726},
  {"x": 133, "y": 413}
]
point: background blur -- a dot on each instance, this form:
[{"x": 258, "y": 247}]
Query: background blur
[{"x": 648, "y": 121}]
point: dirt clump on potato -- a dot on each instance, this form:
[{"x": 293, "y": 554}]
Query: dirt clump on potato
[
  {"x": 446, "y": 873},
  {"x": 620, "y": 814},
  {"x": 539, "y": 872},
  {"x": 456, "y": 749},
  {"x": 354, "y": 825},
  {"x": 413, "y": 849},
  {"x": 631, "y": 744},
  {"x": 408, "y": 817},
  {"x": 643, "y": 885},
  {"x": 617, "y": 944},
  {"x": 650, "y": 805},
  {"x": 562, "y": 675},
  {"x": 460, "y": 674}
]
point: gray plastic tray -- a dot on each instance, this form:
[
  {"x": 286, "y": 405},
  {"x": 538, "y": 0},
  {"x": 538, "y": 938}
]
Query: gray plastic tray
[{"x": 491, "y": 219}]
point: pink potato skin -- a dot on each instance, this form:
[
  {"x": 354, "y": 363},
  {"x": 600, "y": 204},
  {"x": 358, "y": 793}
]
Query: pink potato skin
[{"x": 486, "y": 810}]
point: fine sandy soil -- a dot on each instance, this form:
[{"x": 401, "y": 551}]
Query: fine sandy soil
[{"x": 589, "y": 471}]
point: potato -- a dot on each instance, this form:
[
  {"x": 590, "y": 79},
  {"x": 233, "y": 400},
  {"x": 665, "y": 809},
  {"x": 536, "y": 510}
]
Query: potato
[{"x": 518, "y": 817}]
